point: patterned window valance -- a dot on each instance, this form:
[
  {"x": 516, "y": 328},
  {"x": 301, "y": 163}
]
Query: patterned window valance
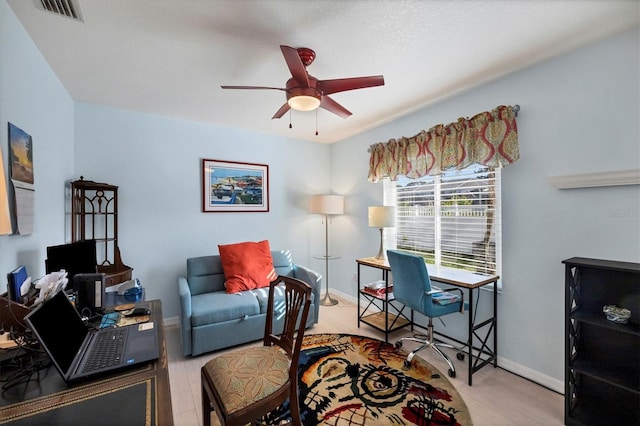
[{"x": 488, "y": 138}]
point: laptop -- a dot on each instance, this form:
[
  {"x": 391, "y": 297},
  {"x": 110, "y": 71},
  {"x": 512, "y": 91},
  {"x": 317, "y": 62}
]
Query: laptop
[{"x": 73, "y": 347}]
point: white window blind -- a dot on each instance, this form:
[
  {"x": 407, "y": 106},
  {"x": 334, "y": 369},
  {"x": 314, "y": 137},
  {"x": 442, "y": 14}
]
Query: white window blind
[{"x": 452, "y": 220}]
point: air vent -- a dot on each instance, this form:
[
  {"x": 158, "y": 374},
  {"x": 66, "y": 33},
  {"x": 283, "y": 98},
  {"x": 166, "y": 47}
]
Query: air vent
[{"x": 67, "y": 8}]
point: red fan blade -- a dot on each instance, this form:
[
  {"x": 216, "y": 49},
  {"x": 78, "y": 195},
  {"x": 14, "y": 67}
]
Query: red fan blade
[
  {"x": 252, "y": 87},
  {"x": 343, "y": 84},
  {"x": 282, "y": 111},
  {"x": 298, "y": 71},
  {"x": 334, "y": 107}
]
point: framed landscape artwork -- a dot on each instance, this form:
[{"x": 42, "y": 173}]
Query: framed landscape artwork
[{"x": 230, "y": 186}]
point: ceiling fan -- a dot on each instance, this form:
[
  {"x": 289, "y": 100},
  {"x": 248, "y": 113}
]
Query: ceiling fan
[{"x": 305, "y": 92}]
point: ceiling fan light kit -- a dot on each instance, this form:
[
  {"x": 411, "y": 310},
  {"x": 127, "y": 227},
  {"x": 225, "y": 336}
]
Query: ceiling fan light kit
[
  {"x": 307, "y": 93},
  {"x": 302, "y": 98},
  {"x": 304, "y": 102}
]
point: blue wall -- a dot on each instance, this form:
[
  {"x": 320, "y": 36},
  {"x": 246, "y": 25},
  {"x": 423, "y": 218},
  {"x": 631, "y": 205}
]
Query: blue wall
[
  {"x": 579, "y": 115},
  {"x": 32, "y": 98}
]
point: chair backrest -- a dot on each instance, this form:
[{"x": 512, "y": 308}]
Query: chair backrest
[
  {"x": 411, "y": 282},
  {"x": 295, "y": 309}
]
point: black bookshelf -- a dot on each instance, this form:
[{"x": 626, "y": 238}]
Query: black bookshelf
[{"x": 602, "y": 358}]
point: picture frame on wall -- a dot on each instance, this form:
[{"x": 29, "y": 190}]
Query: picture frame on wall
[
  {"x": 21, "y": 172},
  {"x": 231, "y": 186}
]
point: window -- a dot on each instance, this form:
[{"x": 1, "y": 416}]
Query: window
[{"x": 451, "y": 220}]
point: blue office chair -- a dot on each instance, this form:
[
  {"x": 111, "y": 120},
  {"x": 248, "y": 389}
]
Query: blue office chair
[{"x": 412, "y": 287}]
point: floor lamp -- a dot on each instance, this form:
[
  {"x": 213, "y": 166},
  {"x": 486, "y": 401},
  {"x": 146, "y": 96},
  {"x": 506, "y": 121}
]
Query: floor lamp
[
  {"x": 382, "y": 217},
  {"x": 327, "y": 205}
]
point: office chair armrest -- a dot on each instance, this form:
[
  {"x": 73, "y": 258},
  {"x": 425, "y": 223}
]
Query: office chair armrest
[{"x": 434, "y": 290}]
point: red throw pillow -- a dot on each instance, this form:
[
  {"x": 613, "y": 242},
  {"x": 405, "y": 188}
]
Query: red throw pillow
[{"x": 246, "y": 265}]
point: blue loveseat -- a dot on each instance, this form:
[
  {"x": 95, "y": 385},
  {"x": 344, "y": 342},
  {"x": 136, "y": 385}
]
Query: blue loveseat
[{"x": 212, "y": 319}]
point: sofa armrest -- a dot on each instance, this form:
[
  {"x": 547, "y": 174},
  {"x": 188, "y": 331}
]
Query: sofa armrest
[
  {"x": 312, "y": 278},
  {"x": 184, "y": 305}
]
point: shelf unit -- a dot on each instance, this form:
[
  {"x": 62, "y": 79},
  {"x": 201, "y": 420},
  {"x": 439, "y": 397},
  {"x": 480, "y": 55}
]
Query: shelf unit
[
  {"x": 602, "y": 358},
  {"x": 376, "y": 313},
  {"x": 94, "y": 215}
]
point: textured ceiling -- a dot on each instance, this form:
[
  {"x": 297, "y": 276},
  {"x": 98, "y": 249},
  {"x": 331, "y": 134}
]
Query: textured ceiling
[{"x": 169, "y": 57}]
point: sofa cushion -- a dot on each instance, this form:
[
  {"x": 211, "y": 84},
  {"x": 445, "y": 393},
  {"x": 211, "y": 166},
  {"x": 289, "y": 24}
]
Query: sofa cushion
[
  {"x": 219, "y": 306},
  {"x": 246, "y": 265},
  {"x": 262, "y": 296},
  {"x": 282, "y": 262},
  {"x": 204, "y": 274}
]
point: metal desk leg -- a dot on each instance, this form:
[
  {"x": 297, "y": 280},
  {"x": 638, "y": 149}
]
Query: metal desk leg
[
  {"x": 358, "y": 295},
  {"x": 470, "y": 338},
  {"x": 495, "y": 324},
  {"x": 385, "y": 303}
]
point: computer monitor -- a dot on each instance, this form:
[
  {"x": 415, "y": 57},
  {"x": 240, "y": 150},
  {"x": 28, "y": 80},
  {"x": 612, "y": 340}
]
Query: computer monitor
[{"x": 75, "y": 258}]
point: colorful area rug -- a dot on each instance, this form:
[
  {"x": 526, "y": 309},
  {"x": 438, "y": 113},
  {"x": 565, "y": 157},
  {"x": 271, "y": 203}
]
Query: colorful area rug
[{"x": 356, "y": 380}]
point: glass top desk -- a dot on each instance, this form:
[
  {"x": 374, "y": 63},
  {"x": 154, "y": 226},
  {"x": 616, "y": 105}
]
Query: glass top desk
[{"x": 472, "y": 281}]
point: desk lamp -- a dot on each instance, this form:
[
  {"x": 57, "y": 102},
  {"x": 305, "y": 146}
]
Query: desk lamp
[{"x": 382, "y": 217}]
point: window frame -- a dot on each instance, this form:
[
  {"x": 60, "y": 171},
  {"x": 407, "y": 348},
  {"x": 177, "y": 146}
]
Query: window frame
[{"x": 390, "y": 198}]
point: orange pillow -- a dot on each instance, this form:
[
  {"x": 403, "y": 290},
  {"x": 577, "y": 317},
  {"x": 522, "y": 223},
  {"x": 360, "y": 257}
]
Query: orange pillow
[{"x": 246, "y": 265}]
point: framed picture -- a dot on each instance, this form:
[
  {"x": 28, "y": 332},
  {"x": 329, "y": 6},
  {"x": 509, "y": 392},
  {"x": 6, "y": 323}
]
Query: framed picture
[
  {"x": 20, "y": 155},
  {"x": 230, "y": 186}
]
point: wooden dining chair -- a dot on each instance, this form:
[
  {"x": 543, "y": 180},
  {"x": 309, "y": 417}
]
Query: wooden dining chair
[{"x": 241, "y": 386}]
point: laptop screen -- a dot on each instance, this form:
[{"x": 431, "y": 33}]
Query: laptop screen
[{"x": 60, "y": 329}]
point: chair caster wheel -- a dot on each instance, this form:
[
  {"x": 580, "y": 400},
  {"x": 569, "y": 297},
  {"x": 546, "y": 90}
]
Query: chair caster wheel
[
  {"x": 406, "y": 365},
  {"x": 460, "y": 356},
  {"x": 398, "y": 344},
  {"x": 452, "y": 373}
]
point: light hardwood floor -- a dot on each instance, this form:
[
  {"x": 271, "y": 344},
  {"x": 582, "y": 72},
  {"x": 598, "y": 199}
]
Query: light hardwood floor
[{"x": 497, "y": 397}]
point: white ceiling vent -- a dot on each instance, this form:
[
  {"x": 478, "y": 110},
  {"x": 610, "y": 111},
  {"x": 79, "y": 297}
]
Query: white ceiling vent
[{"x": 68, "y": 8}]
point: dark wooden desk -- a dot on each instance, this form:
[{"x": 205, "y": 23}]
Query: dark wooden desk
[
  {"x": 139, "y": 395},
  {"x": 457, "y": 277}
]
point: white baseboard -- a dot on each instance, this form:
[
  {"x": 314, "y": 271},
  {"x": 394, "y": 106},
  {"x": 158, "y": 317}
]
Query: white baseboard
[
  {"x": 533, "y": 375},
  {"x": 344, "y": 296},
  {"x": 168, "y": 322}
]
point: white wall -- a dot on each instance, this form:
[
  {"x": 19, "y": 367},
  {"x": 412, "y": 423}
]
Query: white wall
[
  {"x": 579, "y": 114},
  {"x": 156, "y": 162},
  {"x": 32, "y": 98}
]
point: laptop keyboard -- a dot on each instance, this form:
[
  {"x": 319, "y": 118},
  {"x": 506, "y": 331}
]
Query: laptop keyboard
[{"x": 107, "y": 350}]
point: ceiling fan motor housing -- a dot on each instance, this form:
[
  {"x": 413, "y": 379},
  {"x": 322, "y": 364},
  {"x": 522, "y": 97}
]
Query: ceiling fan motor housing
[{"x": 306, "y": 55}]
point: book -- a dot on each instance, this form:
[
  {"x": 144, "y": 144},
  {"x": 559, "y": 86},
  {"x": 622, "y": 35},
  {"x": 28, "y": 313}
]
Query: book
[
  {"x": 15, "y": 279},
  {"x": 378, "y": 288},
  {"x": 376, "y": 285},
  {"x": 445, "y": 298},
  {"x": 379, "y": 292}
]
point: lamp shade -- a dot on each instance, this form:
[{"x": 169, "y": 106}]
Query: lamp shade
[
  {"x": 382, "y": 216},
  {"x": 327, "y": 204}
]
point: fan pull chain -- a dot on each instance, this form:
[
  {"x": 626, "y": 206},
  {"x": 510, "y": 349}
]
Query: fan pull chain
[
  {"x": 316, "y": 121},
  {"x": 290, "y": 126}
]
